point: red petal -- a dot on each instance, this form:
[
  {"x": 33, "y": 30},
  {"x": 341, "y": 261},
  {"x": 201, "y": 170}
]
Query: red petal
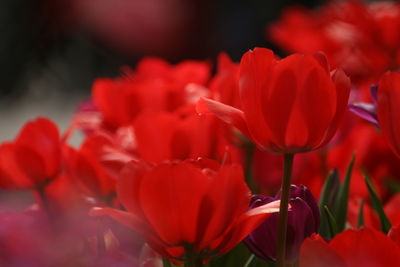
[
  {"x": 388, "y": 109},
  {"x": 322, "y": 60},
  {"x": 255, "y": 72},
  {"x": 226, "y": 113},
  {"x": 246, "y": 224},
  {"x": 170, "y": 196},
  {"x": 227, "y": 198},
  {"x": 317, "y": 100},
  {"x": 129, "y": 184},
  {"x": 343, "y": 84},
  {"x": 32, "y": 164},
  {"x": 280, "y": 95},
  {"x": 152, "y": 145},
  {"x": 317, "y": 253},
  {"x": 11, "y": 176},
  {"x": 366, "y": 247},
  {"x": 41, "y": 136}
]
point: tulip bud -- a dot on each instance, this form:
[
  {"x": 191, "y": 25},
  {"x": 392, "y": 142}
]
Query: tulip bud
[{"x": 303, "y": 220}]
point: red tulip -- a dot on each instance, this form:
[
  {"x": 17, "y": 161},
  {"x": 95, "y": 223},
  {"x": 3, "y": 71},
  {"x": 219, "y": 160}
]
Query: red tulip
[
  {"x": 34, "y": 158},
  {"x": 194, "y": 204},
  {"x": 388, "y": 109},
  {"x": 365, "y": 247},
  {"x": 224, "y": 86},
  {"x": 288, "y": 106}
]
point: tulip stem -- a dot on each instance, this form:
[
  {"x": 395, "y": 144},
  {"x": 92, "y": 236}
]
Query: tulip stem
[
  {"x": 248, "y": 167},
  {"x": 192, "y": 258},
  {"x": 44, "y": 201},
  {"x": 283, "y": 209},
  {"x": 166, "y": 263}
]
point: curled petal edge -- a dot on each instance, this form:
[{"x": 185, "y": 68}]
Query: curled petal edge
[{"x": 226, "y": 113}]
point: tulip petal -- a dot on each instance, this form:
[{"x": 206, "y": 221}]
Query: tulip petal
[
  {"x": 41, "y": 136},
  {"x": 219, "y": 209},
  {"x": 281, "y": 96},
  {"x": 388, "y": 109},
  {"x": 126, "y": 218},
  {"x": 366, "y": 247},
  {"x": 150, "y": 144},
  {"x": 255, "y": 73},
  {"x": 170, "y": 197},
  {"x": 32, "y": 164},
  {"x": 317, "y": 253},
  {"x": 128, "y": 186},
  {"x": 11, "y": 175},
  {"x": 246, "y": 224},
  {"x": 342, "y": 83},
  {"x": 226, "y": 113}
]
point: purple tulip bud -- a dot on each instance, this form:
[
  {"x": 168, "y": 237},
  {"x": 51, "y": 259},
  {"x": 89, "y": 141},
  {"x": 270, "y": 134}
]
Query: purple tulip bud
[
  {"x": 303, "y": 220},
  {"x": 367, "y": 111}
]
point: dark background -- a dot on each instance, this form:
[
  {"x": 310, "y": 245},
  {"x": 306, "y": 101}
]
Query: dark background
[{"x": 52, "y": 50}]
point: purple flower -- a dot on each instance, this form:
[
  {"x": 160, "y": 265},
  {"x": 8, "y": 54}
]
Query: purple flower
[
  {"x": 367, "y": 111},
  {"x": 303, "y": 220}
]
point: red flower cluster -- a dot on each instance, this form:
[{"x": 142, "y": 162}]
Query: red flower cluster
[
  {"x": 171, "y": 155},
  {"x": 363, "y": 39}
]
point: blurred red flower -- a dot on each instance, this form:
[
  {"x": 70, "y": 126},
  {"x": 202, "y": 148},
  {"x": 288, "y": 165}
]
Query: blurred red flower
[
  {"x": 364, "y": 247},
  {"x": 154, "y": 86},
  {"x": 34, "y": 158},
  {"x": 361, "y": 38}
]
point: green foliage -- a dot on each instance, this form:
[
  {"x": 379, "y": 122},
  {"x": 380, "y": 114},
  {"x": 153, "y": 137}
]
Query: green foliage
[{"x": 376, "y": 203}]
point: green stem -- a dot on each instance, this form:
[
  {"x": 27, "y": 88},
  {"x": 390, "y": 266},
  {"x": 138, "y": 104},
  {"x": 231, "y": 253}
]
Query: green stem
[
  {"x": 248, "y": 167},
  {"x": 192, "y": 258},
  {"x": 283, "y": 209},
  {"x": 166, "y": 263},
  {"x": 249, "y": 260}
]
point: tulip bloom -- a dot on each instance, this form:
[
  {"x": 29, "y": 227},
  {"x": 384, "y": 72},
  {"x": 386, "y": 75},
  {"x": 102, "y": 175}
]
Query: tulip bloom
[
  {"x": 388, "y": 109},
  {"x": 366, "y": 247},
  {"x": 288, "y": 106},
  {"x": 190, "y": 210},
  {"x": 303, "y": 220},
  {"x": 34, "y": 158}
]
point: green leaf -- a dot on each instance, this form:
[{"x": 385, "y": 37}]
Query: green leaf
[
  {"x": 360, "y": 220},
  {"x": 343, "y": 198},
  {"x": 166, "y": 263},
  {"x": 328, "y": 195},
  {"x": 376, "y": 203},
  {"x": 393, "y": 185},
  {"x": 331, "y": 222}
]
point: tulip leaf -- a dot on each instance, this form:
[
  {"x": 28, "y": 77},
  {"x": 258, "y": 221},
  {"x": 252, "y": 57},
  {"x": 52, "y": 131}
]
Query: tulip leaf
[
  {"x": 360, "y": 219},
  {"x": 376, "y": 203},
  {"x": 329, "y": 192},
  {"x": 393, "y": 185},
  {"x": 166, "y": 263},
  {"x": 343, "y": 197},
  {"x": 331, "y": 222},
  {"x": 249, "y": 260}
]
